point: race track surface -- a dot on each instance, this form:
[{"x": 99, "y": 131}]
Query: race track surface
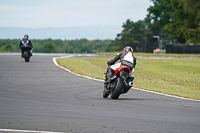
[{"x": 38, "y": 95}]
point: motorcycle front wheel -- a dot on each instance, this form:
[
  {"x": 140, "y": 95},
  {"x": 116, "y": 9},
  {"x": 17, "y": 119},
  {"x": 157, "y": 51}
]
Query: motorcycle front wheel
[
  {"x": 26, "y": 56},
  {"x": 118, "y": 89}
]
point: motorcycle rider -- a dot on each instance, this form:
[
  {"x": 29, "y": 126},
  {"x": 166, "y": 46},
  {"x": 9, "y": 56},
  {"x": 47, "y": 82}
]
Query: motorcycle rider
[
  {"x": 126, "y": 58},
  {"x": 25, "y": 39}
]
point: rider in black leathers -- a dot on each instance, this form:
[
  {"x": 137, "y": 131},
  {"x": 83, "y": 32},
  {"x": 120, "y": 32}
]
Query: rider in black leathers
[
  {"x": 126, "y": 58},
  {"x": 25, "y": 39}
]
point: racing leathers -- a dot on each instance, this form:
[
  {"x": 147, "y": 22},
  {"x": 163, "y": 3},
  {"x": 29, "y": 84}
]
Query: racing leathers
[
  {"x": 25, "y": 40},
  {"x": 126, "y": 59}
]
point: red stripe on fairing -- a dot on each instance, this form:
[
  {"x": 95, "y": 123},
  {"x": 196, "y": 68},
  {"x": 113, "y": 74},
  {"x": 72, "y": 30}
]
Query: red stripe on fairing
[{"x": 120, "y": 68}]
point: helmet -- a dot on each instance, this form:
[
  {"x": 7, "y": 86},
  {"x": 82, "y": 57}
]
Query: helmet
[
  {"x": 26, "y": 36},
  {"x": 128, "y": 48}
]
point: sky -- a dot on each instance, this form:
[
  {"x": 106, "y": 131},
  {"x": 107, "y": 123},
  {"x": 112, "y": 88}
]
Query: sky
[{"x": 70, "y": 13}]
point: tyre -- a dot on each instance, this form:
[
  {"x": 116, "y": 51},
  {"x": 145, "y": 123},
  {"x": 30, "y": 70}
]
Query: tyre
[
  {"x": 26, "y": 56},
  {"x": 105, "y": 93},
  {"x": 118, "y": 89}
]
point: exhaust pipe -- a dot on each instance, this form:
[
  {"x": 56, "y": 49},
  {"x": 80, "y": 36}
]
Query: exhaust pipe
[{"x": 131, "y": 83}]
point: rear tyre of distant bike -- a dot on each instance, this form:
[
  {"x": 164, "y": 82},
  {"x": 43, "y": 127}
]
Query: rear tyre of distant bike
[
  {"x": 118, "y": 89},
  {"x": 26, "y": 56}
]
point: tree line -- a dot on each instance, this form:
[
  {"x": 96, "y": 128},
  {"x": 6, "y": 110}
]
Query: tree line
[
  {"x": 176, "y": 21},
  {"x": 58, "y": 46},
  {"x": 178, "y": 18}
]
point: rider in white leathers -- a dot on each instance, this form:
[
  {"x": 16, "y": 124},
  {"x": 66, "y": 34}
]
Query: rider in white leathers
[{"x": 126, "y": 58}]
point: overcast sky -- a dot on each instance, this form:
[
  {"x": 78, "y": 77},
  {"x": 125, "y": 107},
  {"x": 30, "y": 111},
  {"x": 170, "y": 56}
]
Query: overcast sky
[{"x": 70, "y": 13}]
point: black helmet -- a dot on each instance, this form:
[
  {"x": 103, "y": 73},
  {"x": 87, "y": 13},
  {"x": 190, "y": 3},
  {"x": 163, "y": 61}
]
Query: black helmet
[
  {"x": 128, "y": 48},
  {"x": 26, "y": 36}
]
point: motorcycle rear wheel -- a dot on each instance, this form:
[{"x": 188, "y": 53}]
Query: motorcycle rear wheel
[{"x": 118, "y": 89}]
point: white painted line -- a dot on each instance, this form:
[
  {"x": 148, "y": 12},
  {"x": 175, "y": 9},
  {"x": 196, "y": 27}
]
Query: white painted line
[
  {"x": 26, "y": 131},
  {"x": 54, "y": 60},
  {"x": 166, "y": 95}
]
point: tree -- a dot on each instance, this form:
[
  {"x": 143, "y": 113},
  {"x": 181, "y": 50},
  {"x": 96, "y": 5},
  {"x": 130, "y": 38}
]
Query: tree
[
  {"x": 186, "y": 19},
  {"x": 159, "y": 14},
  {"x": 179, "y": 18},
  {"x": 133, "y": 34},
  {"x": 49, "y": 48},
  {"x": 9, "y": 47}
]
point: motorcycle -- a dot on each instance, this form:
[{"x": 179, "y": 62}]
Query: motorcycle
[
  {"x": 119, "y": 84},
  {"x": 27, "y": 51}
]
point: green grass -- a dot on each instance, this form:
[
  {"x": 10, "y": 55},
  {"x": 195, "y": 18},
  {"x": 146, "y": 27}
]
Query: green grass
[
  {"x": 174, "y": 77},
  {"x": 152, "y": 54},
  {"x": 93, "y": 67}
]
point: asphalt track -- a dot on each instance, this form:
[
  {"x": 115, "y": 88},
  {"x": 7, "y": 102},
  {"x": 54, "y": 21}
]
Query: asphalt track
[{"x": 40, "y": 96}]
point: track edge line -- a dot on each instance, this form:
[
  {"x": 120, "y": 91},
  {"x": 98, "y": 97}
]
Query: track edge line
[{"x": 54, "y": 61}]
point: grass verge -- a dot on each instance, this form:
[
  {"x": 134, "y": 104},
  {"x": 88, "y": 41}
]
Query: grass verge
[
  {"x": 152, "y": 54},
  {"x": 174, "y": 77}
]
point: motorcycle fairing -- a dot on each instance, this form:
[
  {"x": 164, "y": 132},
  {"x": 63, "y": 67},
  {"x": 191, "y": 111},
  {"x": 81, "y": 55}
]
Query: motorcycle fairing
[
  {"x": 120, "y": 68},
  {"x": 24, "y": 40}
]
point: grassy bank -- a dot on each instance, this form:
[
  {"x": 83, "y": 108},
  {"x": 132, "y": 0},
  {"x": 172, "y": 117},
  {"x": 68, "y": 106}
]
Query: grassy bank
[
  {"x": 152, "y": 54},
  {"x": 175, "y": 77}
]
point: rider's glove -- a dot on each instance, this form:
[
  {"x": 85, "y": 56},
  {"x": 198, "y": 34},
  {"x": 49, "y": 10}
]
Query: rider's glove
[{"x": 108, "y": 63}]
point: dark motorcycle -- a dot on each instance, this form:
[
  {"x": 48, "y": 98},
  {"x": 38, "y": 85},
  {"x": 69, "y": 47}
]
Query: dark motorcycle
[
  {"x": 119, "y": 84},
  {"x": 27, "y": 51}
]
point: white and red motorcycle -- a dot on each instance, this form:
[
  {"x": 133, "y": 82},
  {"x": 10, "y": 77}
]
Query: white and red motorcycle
[{"x": 119, "y": 83}]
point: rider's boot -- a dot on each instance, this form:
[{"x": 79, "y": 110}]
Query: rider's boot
[
  {"x": 22, "y": 54},
  {"x": 31, "y": 53},
  {"x": 109, "y": 75}
]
